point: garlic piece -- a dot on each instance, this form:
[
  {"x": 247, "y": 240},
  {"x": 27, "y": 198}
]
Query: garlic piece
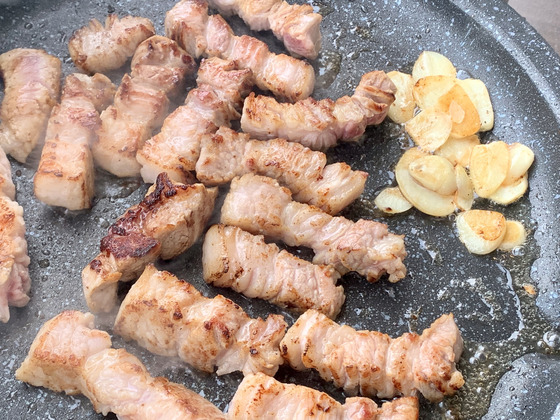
[
  {"x": 489, "y": 167},
  {"x": 402, "y": 109},
  {"x": 431, "y": 63},
  {"x": 464, "y": 114},
  {"x": 458, "y": 150},
  {"x": 464, "y": 196},
  {"x": 510, "y": 193},
  {"x": 515, "y": 235},
  {"x": 435, "y": 173},
  {"x": 478, "y": 93},
  {"x": 482, "y": 231},
  {"x": 430, "y": 129},
  {"x": 392, "y": 201},
  {"x": 521, "y": 158},
  {"x": 428, "y": 90}
]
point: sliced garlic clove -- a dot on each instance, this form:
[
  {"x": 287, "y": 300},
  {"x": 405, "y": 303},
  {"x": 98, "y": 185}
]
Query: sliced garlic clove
[
  {"x": 464, "y": 114},
  {"x": 429, "y": 129},
  {"x": 402, "y": 109},
  {"x": 521, "y": 158},
  {"x": 428, "y": 90},
  {"x": 478, "y": 93},
  {"x": 482, "y": 231},
  {"x": 435, "y": 173},
  {"x": 392, "y": 201},
  {"x": 508, "y": 194},
  {"x": 458, "y": 150},
  {"x": 488, "y": 167},
  {"x": 431, "y": 63},
  {"x": 515, "y": 235},
  {"x": 464, "y": 196}
]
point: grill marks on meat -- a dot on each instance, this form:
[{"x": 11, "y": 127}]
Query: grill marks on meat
[
  {"x": 141, "y": 104},
  {"x": 69, "y": 355},
  {"x": 65, "y": 176},
  {"x": 286, "y": 77},
  {"x": 259, "y": 205},
  {"x": 167, "y": 222},
  {"x": 372, "y": 363},
  {"x": 234, "y": 258},
  {"x": 97, "y": 48},
  {"x": 228, "y": 154},
  {"x": 320, "y": 124},
  {"x": 217, "y": 100},
  {"x": 32, "y": 85},
  {"x": 261, "y": 397},
  {"x": 294, "y": 24},
  {"x": 170, "y": 317}
]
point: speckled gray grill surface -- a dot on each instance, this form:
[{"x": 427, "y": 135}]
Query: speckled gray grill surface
[{"x": 499, "y": 320}]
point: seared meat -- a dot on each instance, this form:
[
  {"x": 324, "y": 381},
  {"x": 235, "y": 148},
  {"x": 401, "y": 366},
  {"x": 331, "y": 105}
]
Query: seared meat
[
  {"x": 261, "y": 397},
  {"x": 95, "y": 48},
  {"x": 141, "y": 104},
  {"x": 189, "y": 24},
  {"x": 65, "y": 175},
  {"x": 32, "y": 85},
  {"x": 69, "y": 355},
  {"x": 167, "y": 222},
  {"x": 216, "y": 101},
  {"x": 294, "y": 24},
  {"x": 320, "y": 124},
  {"x": 170, "y": 317},
  {"x": 372, "y": 363},
  {"x": 228, "y": 154},
  {"x": 259, "y": 205}
]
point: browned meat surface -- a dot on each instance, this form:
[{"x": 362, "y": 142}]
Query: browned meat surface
[
  {"x": 65, "y": 176},
  {"x": 260, "y": 205},
  {"x": 216, "y": 101},
  {"x": 167, "y": 222},
  {"x": 286, "y": 77},
  {"x": 304, "y": 172},
  {"x": 320, "y": 124},
  {"x": 374, "y": 364},
  {"x": 97, "y": 48},
  {"x": 141, "y": 104},
  {"x": 32, "y": 85},
  {"x": 261, "y": 397},
  {"x": 234, "y": 258},
  {"x": 69, "y": 355},
  {"x": 170, "y": 317},
  {"x": 294, "y": 24}
]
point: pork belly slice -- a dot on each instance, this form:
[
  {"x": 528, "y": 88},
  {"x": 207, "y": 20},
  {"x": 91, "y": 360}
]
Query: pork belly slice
[
  {"x": 234, "y": 258},
  {"x": 215, "y": 102},
  {"x": 164, "y": 224},
  {"x": 262, "y": 397},
  {"x": 304, "y": 172},
  {"x": 97, "y": 48},
  {"x": 261, "y": 206},
  {"x": 170, "y": 317},
  {"x": 141, "y": 104},
  {"x": 374, "y": 364},
  {"x": 296, "y": 25},
  {"x": 69, "y": 355},
  {"x": 65, "y": 176},
  {"x": 32, "y": 86},
  {"x": 319, "y": 125},
  {"x": 286, "y": 77}
]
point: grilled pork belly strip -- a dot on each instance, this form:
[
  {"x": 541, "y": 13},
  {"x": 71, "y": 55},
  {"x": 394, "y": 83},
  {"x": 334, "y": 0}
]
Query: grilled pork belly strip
[
  {"x": 261, "y": 397},
  {"x": 170, "y": 317},
  {"x": 228, "y": 154},
  {"x": 372, "y": 363},
  {"x": 97, "y": 48},
  {"x": 320, "y": 124},
  {"x": 234, "y": 258},
  {"x": 260, "y": 205},
  {"x": 286, "y": 77},
  {"x": 69, "y": 355},
  {"x": 294, "y": 24},
  {"x": 141, "y": 104},
  {"x": 216, "y": 101},
  {"x": 65, "y": 176},
  {"x": 167, "y": 222},
  {"x": 32, "y": 85}
]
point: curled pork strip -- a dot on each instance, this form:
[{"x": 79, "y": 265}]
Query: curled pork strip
[
  {"x": 32, "y": 85},
  {"x": 216, "y": 101},
  {"x": 170, "y": 317},
  {"x": 68, "y": 355},
  {"x": 262, "y": 397},
  {"x": 286, "y": 77},
  {"x": 321, "y": 124},
  {"x": 234, "y": 258},
  {"x": 164, "y": 224},
  {"x": 260, "y": 205},
  {"x": 141, "y": 104},
  {"x": 294, "y": 24},
  {"x": 97, "y": 48},
  {"x": 373, "y": 363},
  {"x": 228, "y": 154},
  {"x": 65, "y": 176}
]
